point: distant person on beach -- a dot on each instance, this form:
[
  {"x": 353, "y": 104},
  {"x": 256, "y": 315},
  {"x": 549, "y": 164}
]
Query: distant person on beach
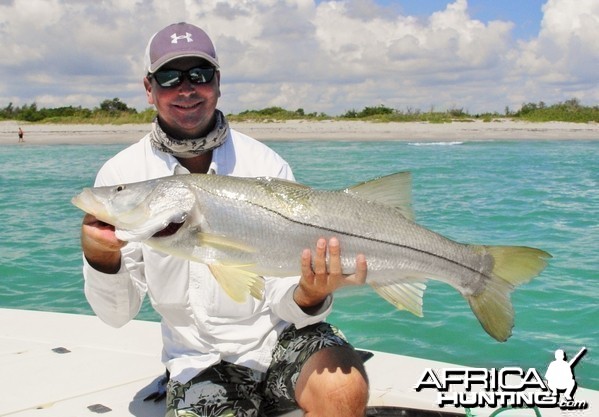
[
  {"x": 260, "y": 357},
  {"x": 21, "y": 135}
]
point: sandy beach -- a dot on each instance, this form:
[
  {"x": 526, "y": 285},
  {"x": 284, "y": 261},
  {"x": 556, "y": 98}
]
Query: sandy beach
[{"x": 476, "y": 130}]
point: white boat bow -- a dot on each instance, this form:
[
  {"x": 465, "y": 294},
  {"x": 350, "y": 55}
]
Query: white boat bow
[{"x": 68, "y": 365}]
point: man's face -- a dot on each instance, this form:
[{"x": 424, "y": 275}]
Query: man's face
[{"x": 187, "y": 110}]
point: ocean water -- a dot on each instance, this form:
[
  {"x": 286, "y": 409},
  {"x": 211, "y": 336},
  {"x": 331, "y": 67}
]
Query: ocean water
[{"x": 535, "y": 193}]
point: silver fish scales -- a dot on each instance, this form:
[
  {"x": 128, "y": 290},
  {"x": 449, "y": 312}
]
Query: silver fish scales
[{"x": 247, "y": 228}]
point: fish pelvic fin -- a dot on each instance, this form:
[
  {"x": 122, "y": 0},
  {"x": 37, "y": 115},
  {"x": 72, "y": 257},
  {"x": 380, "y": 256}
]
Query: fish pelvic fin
[
  {"x": 238, "y": 282},
  {"x": 393, "y": 190},
  {"x": 403, "y": 295},
  {"x": 512, "y": 266}
]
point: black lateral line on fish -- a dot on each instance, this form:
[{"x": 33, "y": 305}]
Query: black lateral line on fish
[
  {"x": 354, "y": 235},
  {"x": 381, "y": 241}
]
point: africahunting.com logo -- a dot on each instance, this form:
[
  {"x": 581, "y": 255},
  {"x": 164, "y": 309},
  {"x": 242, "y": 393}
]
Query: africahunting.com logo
[{"x": 512, "y": 387}]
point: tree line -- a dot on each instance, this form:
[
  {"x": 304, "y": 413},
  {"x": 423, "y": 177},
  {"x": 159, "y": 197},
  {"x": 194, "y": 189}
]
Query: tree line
[
  {"x": 115, "y": 111},
  {"x": 108, "y": 111}
]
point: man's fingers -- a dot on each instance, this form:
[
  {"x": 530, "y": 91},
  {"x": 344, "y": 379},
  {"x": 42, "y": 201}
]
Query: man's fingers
[
  {"x": 359, "y": 278},
  {"x": 326, "y": 265},
  {"x": 320, "y": 258},
  {"x": 334, "y": 257},
  {"x": 307, "y": 264}
]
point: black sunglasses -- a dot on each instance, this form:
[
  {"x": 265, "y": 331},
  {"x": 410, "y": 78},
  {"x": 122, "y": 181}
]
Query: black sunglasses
[{"x": 172, "y": 78}]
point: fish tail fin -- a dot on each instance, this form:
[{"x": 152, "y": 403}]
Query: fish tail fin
[{"x": 511, "y": 266}]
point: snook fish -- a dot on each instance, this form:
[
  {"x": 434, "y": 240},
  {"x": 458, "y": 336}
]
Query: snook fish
[{"x": 246, "y": 228}]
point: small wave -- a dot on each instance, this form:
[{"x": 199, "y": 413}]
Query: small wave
[{"x": 435, "y": 143}]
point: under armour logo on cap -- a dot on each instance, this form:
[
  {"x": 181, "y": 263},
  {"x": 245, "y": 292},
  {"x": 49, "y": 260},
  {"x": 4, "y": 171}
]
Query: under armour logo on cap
[{"x": 178, "y": 40}]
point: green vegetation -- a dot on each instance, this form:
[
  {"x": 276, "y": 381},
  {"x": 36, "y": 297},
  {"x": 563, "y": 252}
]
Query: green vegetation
[
  {"x": 386, "y": 114},
  {"x": 275, "y": 113},
  {"x": 109, "y": 112},
  {"x": 568, "y": 111},
  {"x": 116, "y": 112}
]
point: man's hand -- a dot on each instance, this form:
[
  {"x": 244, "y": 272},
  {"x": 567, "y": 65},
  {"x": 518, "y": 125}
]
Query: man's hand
[
  {"x": 100, "y": 246},
  {"x": 320, "y": 280}
]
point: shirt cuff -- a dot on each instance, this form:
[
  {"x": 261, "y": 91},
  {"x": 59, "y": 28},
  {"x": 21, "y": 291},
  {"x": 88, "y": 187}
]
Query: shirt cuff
[{"x": 300, "y": 317}]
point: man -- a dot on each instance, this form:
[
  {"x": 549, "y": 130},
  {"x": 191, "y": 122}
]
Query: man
[{"x": 224, "y": 358}]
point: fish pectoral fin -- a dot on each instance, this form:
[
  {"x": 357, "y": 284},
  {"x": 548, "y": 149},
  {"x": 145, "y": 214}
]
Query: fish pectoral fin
[
  {"x": 222, "y": 242},
  {"x": 403, "y": 295},
  {"x": 238, "y": 282},
  {"x": 393, "y": 190}
]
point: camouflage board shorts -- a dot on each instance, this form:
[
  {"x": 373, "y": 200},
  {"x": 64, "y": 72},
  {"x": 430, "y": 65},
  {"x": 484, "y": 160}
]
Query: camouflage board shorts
[{"x": 229, "y": 390}]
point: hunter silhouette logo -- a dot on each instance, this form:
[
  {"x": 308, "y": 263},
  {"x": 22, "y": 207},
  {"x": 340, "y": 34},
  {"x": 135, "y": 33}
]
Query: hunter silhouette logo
[
  {"x": 510, "y": 387},
  {"x": 560, "y": 374},
  {"x": 175, "y": 38}
]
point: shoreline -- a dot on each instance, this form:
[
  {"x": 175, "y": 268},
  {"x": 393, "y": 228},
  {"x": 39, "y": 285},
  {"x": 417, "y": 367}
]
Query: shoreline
[{"x": 306, "y": 130}]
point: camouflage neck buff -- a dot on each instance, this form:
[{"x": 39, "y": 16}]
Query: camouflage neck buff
[{"x": 188, "y": 148}]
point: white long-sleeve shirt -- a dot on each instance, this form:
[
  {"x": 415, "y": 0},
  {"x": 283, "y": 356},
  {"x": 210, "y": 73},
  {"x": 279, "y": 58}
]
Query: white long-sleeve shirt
[{"x": 201, "y": 325}]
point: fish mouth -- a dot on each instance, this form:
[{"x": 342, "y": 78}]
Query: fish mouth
[
  {"x": 169, "y": 230},
  {"x": 88, "y": 202}
]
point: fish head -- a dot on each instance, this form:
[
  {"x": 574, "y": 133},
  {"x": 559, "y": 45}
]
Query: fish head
[{"x": 140, "y": 210}]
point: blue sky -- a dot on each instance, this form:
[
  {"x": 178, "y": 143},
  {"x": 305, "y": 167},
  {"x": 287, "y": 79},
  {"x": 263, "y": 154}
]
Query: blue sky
[
  {"x": 322, "y": 56},
  {"x": 526, "y": 14}
]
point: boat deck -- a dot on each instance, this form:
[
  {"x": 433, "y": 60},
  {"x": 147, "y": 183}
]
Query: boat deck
[{"x": 66, "y": 365}]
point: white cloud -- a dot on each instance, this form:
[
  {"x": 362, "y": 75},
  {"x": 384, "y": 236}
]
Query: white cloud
[
  {"x": 562, "y": 61},
  {"x": 330, "y": 56}
]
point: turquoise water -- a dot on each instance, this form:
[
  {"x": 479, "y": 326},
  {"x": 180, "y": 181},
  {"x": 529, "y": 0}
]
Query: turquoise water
[{"x": 542, "y": 194}]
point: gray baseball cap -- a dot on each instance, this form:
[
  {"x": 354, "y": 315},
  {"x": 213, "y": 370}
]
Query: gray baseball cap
[{"x": 177, "y": 41}]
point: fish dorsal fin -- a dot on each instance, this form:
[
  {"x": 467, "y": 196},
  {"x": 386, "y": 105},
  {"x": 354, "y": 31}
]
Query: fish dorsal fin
[
  {"x": 238, "y": 282},
  {"x": 285, "y": 196},
  {"x": 393, "y": 190},
  {"x": 274, "y": 182},
  {"x": 403, "y": 295},
  {"x": 285, "y": 190}
]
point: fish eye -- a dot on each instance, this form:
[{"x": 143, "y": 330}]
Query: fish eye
[{"x": 120, "y": 188}]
